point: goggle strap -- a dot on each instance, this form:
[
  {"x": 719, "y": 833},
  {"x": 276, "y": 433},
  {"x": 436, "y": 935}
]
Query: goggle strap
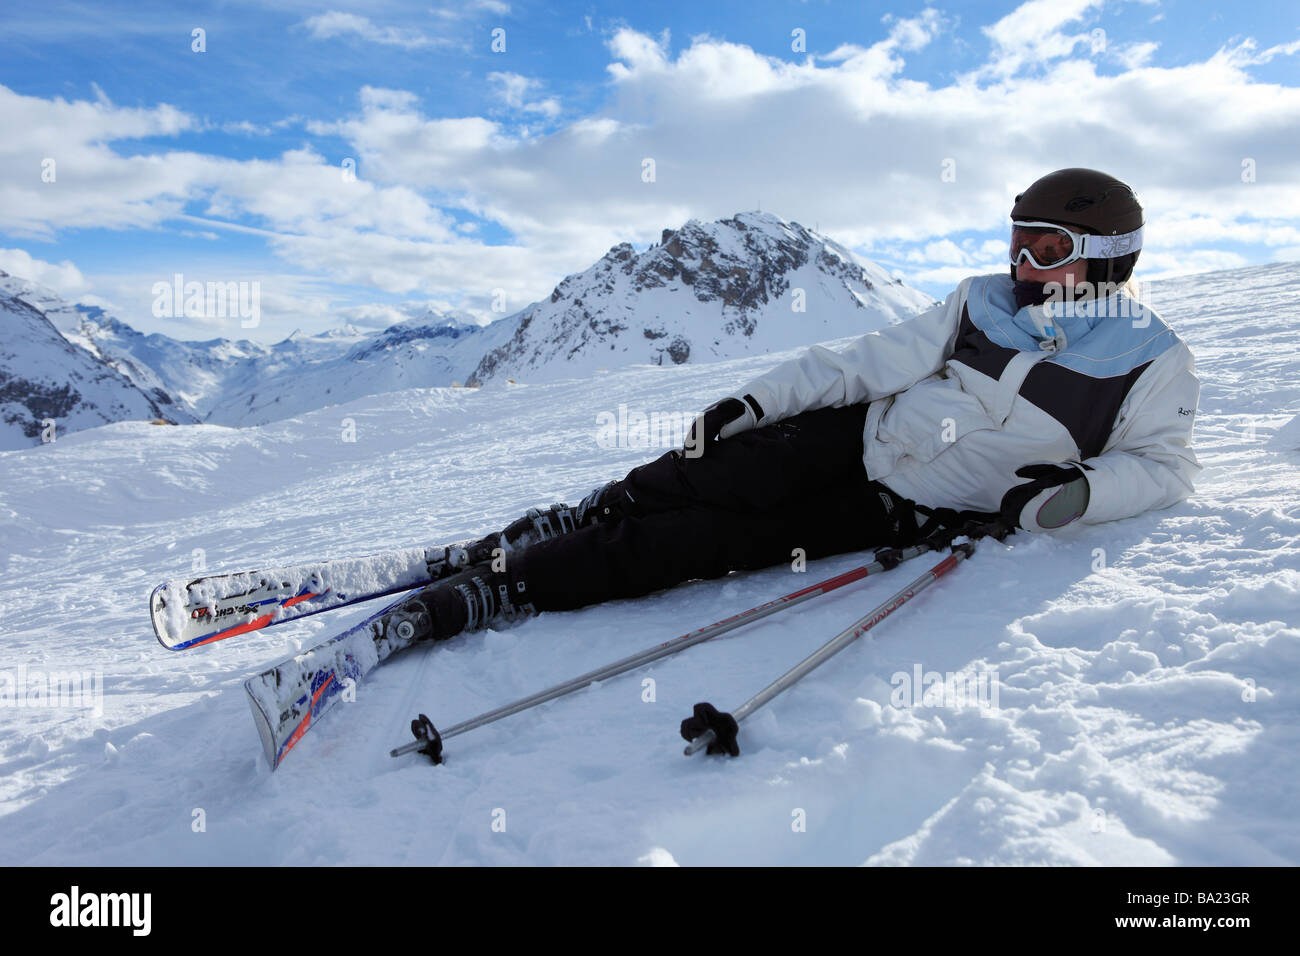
[{"x": 1112, "y": 247}]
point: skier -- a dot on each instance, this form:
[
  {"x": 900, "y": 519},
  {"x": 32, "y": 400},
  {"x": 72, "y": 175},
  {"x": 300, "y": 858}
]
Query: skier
[{"x": 1042, "y": 397}]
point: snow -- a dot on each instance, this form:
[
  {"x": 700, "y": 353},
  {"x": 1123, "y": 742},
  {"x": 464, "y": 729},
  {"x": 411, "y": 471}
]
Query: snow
[{"x": 1148, "y": 670}]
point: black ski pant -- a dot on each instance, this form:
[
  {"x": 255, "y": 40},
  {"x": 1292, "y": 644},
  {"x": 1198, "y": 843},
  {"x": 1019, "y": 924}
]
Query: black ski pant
[{"x": 749, "y": 503}]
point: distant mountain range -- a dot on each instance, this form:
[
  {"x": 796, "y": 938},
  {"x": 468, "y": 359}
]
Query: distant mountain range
[{"x": 708, "y": 291}]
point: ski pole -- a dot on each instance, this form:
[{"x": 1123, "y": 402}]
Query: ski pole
[
  {"x": 429, "y": 740},
  {"x": 710, "y": 728}
]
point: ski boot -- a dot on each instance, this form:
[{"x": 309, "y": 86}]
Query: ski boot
[
  {"x": 606, "y": 503},
  {"x": 468, "y": 600},
  {"x": 537, "y": 524}
]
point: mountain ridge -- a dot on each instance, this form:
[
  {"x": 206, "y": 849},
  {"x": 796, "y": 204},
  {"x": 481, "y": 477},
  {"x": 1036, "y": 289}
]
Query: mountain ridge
[
  {"x": 706, "y": 291},
  {"x": 738, "y": 281}
]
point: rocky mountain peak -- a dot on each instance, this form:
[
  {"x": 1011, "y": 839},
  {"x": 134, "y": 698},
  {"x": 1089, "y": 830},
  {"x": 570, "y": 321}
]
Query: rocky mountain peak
[{"x": 724, "y": 279}]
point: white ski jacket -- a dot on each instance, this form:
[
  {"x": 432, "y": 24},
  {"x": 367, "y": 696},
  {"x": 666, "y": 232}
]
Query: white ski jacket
[{"x": 964, "y": 394}]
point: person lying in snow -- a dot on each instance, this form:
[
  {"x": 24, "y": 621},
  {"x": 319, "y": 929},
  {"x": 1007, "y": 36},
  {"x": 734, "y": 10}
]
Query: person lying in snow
[{"x": 1041, "y": 397}]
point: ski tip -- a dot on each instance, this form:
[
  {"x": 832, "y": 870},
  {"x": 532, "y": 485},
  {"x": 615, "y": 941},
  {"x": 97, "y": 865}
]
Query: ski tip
[
  {"x": 263, "y": 724},
  {"x": 156, "y": 604}
]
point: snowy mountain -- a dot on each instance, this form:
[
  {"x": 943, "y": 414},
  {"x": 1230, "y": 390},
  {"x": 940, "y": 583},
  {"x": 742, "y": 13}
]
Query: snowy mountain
[
  {"x": 435, "y": 349},
  {"x": 205, "y": 375},
  {"x": 1149, "y": 696},
  {"x": 46, "y": 378},
  {"x": 707, "y": 291}
]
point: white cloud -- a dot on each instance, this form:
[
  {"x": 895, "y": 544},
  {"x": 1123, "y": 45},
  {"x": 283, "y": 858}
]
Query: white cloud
[
  {"x": 946, "y": 251},
  {"x": 511, "y": 87},
  {"x": 942, "y": 251},
  {"x": 286, "y": 301},
  {"x": 914, "y": 33},
  {"x": 514, "y": 91},
  {"x": 882, "y": 59},
  {"x": 244, "y": 127},
  {"x": 638, "y": 52},
  {"x": 547, "y": 107},
  {"x": 846, "y": 140},
  {"x": 373, "y": 316},
  {"x": 847, "y": 145},
  {"x": 1182, "y": 231},
  {"x": 1032, "y": 33},
  {"x": 64, "y": 277},
  {"x": 326, "y": 26},
  {"x": 948, "y": 276},
  {"x": 593, "y": 131},
  {"x": 62, "y": 173},
  {"x": 1165, "y": 265},
  {"x": 473, "y": 8},
  {"x": 1135, "y": 55},
  {"x": 1243, "y": 54}
]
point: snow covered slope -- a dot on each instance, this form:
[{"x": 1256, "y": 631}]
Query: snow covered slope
[
  {"x": 1148, "y": 670},
  {"x": 751, "y": 284},
  {"x": 45, "y": 378}
]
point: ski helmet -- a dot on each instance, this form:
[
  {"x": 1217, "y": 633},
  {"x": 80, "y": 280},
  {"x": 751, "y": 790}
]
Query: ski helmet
[{"x": 1090, "y": 201}]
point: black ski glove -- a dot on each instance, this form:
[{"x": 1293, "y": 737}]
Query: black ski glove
[
  {"x": 710, "y": 422},
  {"x": 1054, "y": 496}
]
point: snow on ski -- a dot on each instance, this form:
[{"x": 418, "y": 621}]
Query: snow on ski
[
  {"x": 190, "y": 613},
  {"x": 203, "y": 610},
  {"x": 288, "y": 699}
]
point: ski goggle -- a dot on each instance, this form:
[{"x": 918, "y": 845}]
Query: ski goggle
[{"x": 1045, "y": 245}]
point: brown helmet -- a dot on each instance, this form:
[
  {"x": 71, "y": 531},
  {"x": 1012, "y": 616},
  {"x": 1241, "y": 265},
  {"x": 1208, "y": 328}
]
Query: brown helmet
[{"x": 1090, "y": 201}]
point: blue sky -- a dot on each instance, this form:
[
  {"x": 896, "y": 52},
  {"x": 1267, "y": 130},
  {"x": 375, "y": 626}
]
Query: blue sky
[{"x": 484, "y": 176}]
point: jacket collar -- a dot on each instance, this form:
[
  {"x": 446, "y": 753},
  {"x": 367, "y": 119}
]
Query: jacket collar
[{"x": 1052, "y": 326}]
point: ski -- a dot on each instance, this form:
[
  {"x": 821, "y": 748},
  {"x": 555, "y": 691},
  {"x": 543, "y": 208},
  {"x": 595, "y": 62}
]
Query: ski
[
  {"x": 192, "y": 612},
  {"x": 289, "y": 698},
  {"x": 201, "y": 611}
]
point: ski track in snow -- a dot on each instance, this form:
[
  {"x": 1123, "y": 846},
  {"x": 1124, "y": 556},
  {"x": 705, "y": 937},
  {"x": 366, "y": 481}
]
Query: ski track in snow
[{"x": 1148, "y": 669}]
